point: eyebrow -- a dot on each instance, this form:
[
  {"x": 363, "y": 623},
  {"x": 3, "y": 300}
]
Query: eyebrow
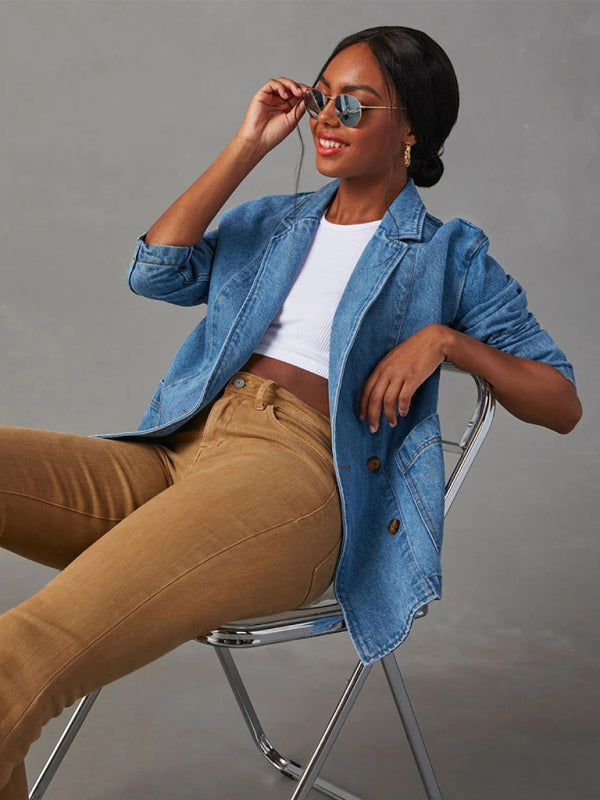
[{"x": 352, "y": 87}]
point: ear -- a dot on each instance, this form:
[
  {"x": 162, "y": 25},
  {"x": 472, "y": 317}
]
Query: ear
[{"x": 409, "y": 135}]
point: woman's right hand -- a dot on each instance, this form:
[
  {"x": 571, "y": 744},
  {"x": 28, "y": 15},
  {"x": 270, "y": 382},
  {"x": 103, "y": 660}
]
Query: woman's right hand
[{"x": 273, "y": 113}]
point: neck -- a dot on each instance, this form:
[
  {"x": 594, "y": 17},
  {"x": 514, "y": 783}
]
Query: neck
[{"x": 363, "y": 199}]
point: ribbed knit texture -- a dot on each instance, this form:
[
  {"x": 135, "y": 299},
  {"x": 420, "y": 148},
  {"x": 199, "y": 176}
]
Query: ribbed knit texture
[{"x": 300, "y": 331}]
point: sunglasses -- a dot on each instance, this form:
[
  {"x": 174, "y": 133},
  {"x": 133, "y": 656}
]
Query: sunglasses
[{"x": 348, "y": 109}]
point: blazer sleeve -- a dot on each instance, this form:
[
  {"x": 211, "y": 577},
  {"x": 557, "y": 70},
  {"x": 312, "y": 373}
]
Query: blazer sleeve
[
  {"x": 492, "y": 307},
  {"x": 176, "y": 274}
]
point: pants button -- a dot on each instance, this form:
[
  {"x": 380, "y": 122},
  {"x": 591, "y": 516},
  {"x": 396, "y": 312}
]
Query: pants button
[{"x": 239, "y": 382}]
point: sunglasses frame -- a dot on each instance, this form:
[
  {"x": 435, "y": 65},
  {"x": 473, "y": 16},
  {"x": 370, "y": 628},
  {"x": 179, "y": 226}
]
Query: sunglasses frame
[{"x": 338, "y": 113}]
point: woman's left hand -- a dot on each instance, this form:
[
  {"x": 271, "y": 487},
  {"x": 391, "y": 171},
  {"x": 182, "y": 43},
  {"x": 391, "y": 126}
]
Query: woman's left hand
[{"x": 400, "y": 373}]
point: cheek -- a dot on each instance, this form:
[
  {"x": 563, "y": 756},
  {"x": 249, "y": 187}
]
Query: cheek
[
  {"x": 373, "y": 149},
  {"x": 383, "y": 146}
]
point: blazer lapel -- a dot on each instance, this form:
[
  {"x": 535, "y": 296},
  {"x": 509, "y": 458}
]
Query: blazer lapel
[
  {"x": 383, "y": 254},
  {"x": 379, "y": 258},
  {"x": 278, "y": 269}
]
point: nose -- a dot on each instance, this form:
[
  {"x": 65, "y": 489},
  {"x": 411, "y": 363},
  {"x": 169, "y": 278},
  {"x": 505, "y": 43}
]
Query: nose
[{"x": 327, "y": 113}]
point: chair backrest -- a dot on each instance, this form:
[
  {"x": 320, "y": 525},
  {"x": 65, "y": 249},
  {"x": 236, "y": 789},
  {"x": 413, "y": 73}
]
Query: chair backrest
[
  {"x": 323, "y": 615},
  {"x": 473, "y": 436}
]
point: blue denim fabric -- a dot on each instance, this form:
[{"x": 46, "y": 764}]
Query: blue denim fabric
[{"x": 415, "y": 270}]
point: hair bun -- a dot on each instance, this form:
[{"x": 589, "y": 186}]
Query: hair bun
[{"x": 426, "y": 172}]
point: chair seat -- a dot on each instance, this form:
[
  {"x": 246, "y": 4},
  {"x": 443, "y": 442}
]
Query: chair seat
[{"x": 322, "y": 616}]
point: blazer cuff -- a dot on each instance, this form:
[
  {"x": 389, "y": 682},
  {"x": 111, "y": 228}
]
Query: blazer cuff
[{"x": 168, "y": 254}]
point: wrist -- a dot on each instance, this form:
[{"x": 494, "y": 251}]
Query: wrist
[
  {"x": 445, "y": 340},
  {"x": 248, "y": 148}
]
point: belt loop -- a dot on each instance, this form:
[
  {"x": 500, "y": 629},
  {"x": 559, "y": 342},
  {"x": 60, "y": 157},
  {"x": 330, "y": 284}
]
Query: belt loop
[{"x": 260, "y": 401}]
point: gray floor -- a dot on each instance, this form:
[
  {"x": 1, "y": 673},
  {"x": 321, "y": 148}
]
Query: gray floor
[{"x": 502, "y": 719}]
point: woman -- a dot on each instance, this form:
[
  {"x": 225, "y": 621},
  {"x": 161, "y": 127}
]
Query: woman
[{"x": 264, "y": 448}]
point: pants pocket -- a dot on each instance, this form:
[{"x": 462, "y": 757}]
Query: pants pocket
[{"x": 305, "y": 432}]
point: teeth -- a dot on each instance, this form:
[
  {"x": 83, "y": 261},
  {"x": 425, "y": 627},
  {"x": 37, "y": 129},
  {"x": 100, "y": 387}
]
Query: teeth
[{"x": 329, "y": 143}]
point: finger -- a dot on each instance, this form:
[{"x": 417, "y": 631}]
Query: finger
[
  {"x": 277, "y": 87},
  {"x": 390, "y": 403},
  {"x": 279, "y": 98},
  {"x": 284, "y": 87},
  {"x": 298, "y": 110},
  {"x": 366, "y": 394},
  {"x": 375, "y": 402},
  {"x": 293, "y": 86},
  {"x": 404, "y": 399}
]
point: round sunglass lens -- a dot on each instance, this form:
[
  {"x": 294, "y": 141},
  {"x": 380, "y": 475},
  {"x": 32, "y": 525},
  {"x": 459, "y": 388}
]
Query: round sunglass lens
[
  {"x": 314, "y": 102},
  {"x": 348, "y": 109}
]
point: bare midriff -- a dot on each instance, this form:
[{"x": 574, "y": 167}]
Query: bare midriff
[{"x": 311, "y": 388}]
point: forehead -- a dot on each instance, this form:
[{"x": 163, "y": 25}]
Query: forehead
[{"x": 354, "y": 65}]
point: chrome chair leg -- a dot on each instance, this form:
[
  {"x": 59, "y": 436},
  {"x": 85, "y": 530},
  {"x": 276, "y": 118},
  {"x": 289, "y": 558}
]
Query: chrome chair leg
[
  {"x": 350, "y": 694},
  {"x": 307, "y": 776},
  {"x": 413, "y": 733},
  {"x": 63, "y": 744}
]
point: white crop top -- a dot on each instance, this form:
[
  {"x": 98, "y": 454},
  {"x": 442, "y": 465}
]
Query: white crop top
[{"x": 300, "y": 331}]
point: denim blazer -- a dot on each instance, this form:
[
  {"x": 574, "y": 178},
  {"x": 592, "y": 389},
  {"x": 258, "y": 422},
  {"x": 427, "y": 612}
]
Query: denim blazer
[{"x": 414, "y": 271}]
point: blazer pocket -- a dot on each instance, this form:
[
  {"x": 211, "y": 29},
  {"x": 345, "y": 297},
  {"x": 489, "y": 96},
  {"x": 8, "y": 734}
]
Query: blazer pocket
[{"x": 420, "y": 460}]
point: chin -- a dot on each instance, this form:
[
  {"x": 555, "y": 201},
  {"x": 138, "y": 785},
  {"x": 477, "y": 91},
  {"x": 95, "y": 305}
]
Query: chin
[
  {"x": 329, "y": 170},
  {"x": 328, "y": 173}
]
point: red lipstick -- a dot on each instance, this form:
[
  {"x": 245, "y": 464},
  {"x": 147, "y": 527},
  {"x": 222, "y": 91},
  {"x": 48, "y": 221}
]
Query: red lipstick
[
  {"x": 330, "y": 151},
  {"x": 330, "y": 136}
]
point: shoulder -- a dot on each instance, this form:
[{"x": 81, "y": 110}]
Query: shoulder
[
  {"x": 247, "y": 227},
  {"x": 459, "y": 238},
  {"x": 269, "y": 206}
]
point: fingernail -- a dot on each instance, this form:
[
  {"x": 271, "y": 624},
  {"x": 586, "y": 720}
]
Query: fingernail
[{"x": 373, "y": 428}]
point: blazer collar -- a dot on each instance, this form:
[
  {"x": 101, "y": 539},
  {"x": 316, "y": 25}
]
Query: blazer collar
[{"x": 404, "y": 219}]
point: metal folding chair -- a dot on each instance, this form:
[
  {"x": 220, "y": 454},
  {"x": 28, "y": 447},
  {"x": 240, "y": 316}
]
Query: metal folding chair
[{"x": 320, "y": 618}]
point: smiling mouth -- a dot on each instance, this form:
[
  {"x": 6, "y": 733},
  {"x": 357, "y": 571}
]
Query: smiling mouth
[{"x": 329, "y": 146}]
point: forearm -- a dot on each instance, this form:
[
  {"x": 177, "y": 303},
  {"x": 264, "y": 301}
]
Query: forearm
[
  {"x": 532, "y": 391},
  {"x": 186, "y": 220}
]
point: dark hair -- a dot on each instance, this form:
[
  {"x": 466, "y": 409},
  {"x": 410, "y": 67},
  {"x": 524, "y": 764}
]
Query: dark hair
[{"x": 419, "y": 70}]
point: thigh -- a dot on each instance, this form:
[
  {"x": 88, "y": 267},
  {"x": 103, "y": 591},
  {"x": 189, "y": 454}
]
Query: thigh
[
  {"x": 240, "y": 536},
  {"x": 59, "y": 492}
]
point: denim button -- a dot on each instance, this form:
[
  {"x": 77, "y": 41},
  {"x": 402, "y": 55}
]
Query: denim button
[
  {"x": 239, "y": 382},
  {"x": 373, "y": 464},
  {"x": 394, "y": 525}
]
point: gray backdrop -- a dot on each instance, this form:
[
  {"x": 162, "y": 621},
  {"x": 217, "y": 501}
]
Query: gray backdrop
[{"x": 110, "y": 110}]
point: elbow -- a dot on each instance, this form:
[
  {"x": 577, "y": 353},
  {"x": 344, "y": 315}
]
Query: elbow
[
  {"x": 568, "y": 405},
  {"x": 570, "y": 420},
  {"x": 138, "y": 284}
]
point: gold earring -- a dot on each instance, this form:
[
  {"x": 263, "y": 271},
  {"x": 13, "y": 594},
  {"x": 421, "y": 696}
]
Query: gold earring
[{"x": 407, "y": 155}]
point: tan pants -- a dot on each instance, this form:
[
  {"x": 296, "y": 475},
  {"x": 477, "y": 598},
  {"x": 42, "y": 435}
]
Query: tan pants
[{"x": 237, "y": 514}]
